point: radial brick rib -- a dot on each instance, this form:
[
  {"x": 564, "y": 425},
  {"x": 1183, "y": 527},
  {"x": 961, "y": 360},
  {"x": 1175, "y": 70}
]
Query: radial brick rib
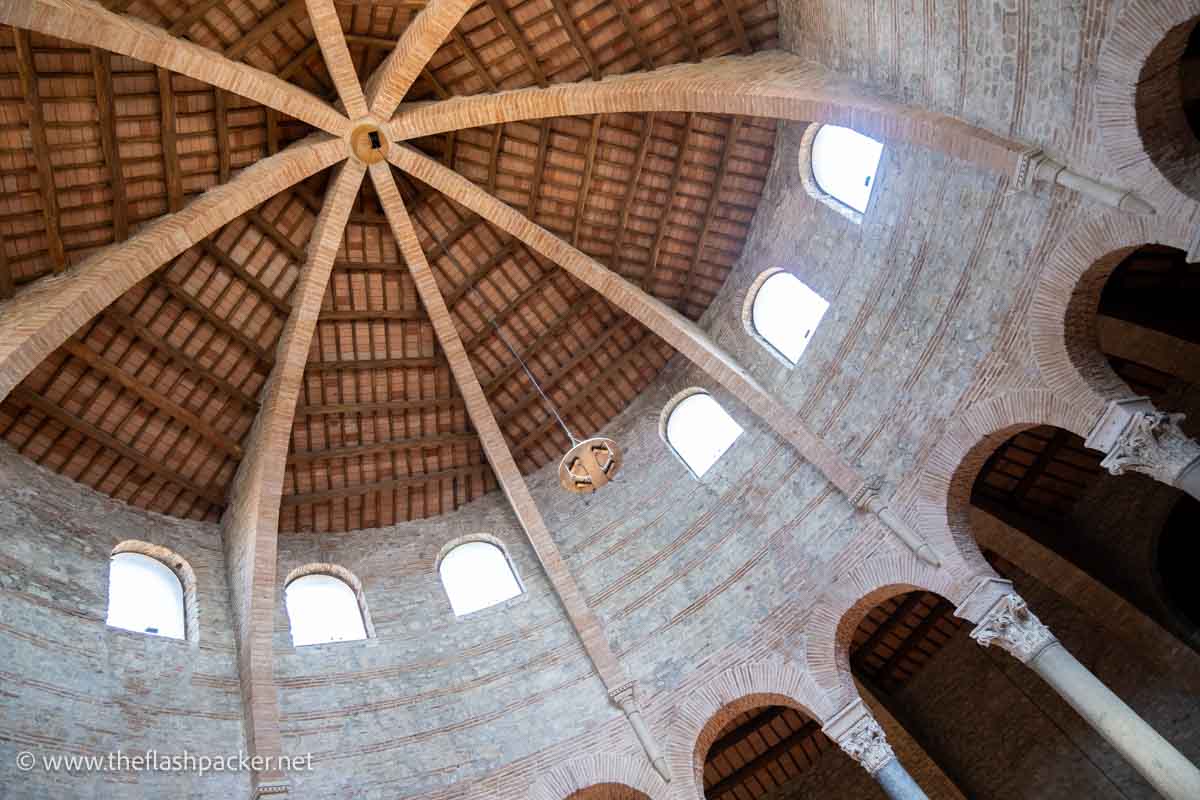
[
  {"x": 332, "y": 39},
  {"x": 41, "y": 317},
  {"x": 85, "y": 22},
  {"x": 251, "y": 524},
  {"x": 507, "y": 474},
  {"x": 670, "y": 325},
  {"x": 768, "y": 84},
  {"x": 388, "y": 85}
]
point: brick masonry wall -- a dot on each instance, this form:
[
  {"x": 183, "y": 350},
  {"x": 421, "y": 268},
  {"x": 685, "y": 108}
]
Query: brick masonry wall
[{"x": 69, "y": 684}]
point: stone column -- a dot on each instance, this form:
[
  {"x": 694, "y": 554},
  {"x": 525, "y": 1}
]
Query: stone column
[
  {"x": 625, "y": 697},
  {"x": 1138, "y": 437},
  {"x": 1003, "y": 619},
  {"x": 858, "y": 733}
]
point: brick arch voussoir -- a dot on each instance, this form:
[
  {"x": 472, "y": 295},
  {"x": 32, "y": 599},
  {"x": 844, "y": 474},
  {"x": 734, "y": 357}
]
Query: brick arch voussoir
[
  {"x": 1062, "y": 314},
  {"x": 708, "y": 708},
  {"x": 841, "y": 609},
  {"x": 610, "y": 776},
  {"x": 1139, "y": 107},
  {"x": 944, "y": 488}
]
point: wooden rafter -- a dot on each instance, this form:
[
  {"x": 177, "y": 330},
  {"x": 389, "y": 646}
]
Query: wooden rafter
[
  {"x": 635, "y": 177},
  {"x": 179, "y": 358},
  {"x": 479, "y": 471},
  {"x": 26, "y": 396},
  {"x": 107, "y": 111},
  {"x": 245, "y": 276},
  {"x": 221, "y": 114},
  {"x": 571, "y": 317},
  {"x": 735, "y": 23},
  {"x": 589, "y": 164},
  {"x": 414, "y": 362},
  {"x": 469, "y": 53},
  {"x": 27, "y": 72},
  {"x": 517, "y": 37},
  {"x": 7, "y": 287},
  {"x": 631, "y": 28},
  {"x": 672, "y": 193},
  {"x": 170, "y": 147},
  {"x": 398, "y": 406},
  {"x": 711, "y": 203},
  {"x": 577, "y": 39},
  {"x": 431, "y": 442},
  {"x": 752, "y": 767},
  {"x": 152, "y": 396}
]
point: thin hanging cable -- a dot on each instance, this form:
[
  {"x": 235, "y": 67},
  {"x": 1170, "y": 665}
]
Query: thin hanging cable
[{"x": 480, "y": 305}]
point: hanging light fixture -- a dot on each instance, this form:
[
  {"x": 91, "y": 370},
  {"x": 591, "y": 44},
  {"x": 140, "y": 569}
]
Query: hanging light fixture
[{"x": 590, "y": 463}]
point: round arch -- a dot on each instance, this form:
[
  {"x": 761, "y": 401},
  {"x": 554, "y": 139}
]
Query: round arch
[
  {"x": 1140, "y": 104},
  {"x": 839, "y": 612},
  {"x": 183, "y": 571},
  {"x": 345, "y": 576},
  {"x": 709, "y": 707},
  {"x": 601, "y": 777},
  {"x": 1062, "y": 316}
]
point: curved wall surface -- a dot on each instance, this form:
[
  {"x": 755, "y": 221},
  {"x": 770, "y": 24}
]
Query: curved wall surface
[{"x": 72, "y": 686}]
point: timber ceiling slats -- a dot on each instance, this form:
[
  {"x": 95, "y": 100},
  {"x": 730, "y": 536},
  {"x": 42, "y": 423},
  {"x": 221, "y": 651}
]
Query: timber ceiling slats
[{"x": 169, "y": 374}]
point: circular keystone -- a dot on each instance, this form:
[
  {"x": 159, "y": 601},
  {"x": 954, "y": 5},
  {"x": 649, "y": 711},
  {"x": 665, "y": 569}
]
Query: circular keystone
[{"x": 368, "y": 143}]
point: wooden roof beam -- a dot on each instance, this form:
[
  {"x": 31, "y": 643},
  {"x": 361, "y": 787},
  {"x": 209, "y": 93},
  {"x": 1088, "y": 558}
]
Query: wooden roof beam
[
  {"x": 431, "y": 442},
  {"x": 107, "y": 110},
  {"x": 264, "y": 28},
  {"x": 402, "y": 406},
  {"x": 158, "y": 344},
  {"x": 585, "y": 621},
  {"x": 713, "y": 200},
  {"x": 377, "y": 363},
  {"x": 250, "y": 526},
  {"x": 244, "y": 275},
  {"x": 581, "y": 45},
  {"x": 631, "y": 28},
  {"x": 332, "y": 39},
  {"x": 735, "y": 23},
  {"x": 635, "y": 177},
  {"x": 40, "y": 317},
  {"x": 563, "y": 370},
  {"x": 371, "y": 314},
  {"x": 573, "y": 313},
  {"x": 41, "y": 149},
  {"x": 152, "y": 396},
  {"x": 420, "y": 40},
  {"x": 170, "y": 151},
  {"x": 517, "y": 37},
  {"x": 92, "y": 25},
  {"x": 27, "y": 397},
  {"x": 359, "y": 489},
  {"x": 589, "y": 164},
  {"x": 672, "y": 193},
  {"x": 759, "y": 762}
]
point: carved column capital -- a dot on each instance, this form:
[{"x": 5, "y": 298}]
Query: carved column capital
[
  {"x": 1010, "y": 625},
  {"x": 1138, "y": 437},
  {"x": 625, "y": 696},
  {"x": 858, "y": 733}
]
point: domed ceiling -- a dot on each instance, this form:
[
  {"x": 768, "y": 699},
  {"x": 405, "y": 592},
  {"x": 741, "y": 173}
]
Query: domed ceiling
[{"x": 151, "y": 401}]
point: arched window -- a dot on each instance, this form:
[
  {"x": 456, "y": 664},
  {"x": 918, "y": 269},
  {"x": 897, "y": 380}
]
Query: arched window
[
  {"x": 323, "y": 608},
  {"x": 838, "y": 166},
  {"x": 144, "y": 595},
  {"x": 783, "y": 313},
  {"x": 477, "y": 575},
  {"x": 699, "y": 431}
]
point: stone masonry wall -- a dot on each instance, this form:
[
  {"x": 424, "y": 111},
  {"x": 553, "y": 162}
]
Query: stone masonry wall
[{"x": 69, "y": 684}]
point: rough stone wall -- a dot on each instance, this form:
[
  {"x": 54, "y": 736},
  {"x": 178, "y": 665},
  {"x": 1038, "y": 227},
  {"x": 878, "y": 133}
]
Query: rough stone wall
[
  {"x": 1001, "y": 732},
  {"x": 69, "y": 684}
]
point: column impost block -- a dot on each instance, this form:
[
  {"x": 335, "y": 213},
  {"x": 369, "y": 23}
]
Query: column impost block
[{"x": 858, "y": 733}]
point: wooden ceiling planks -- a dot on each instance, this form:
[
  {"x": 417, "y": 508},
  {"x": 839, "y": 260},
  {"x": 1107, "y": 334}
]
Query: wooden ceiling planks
[{"x": 170, "y": 373}]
